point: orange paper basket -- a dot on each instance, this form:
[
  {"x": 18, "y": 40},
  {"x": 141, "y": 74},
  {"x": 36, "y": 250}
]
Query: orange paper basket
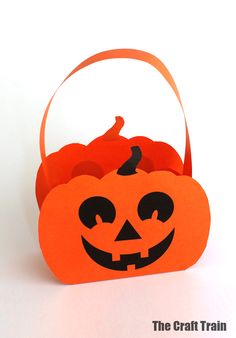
[{"x": 119, "y": 207}]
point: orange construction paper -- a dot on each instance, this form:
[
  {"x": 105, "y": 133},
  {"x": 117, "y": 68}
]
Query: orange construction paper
[
  {"x": 119, "y": 207},
  {"x": 64, "y": 237},
  {"x": 102, "y": 155}
]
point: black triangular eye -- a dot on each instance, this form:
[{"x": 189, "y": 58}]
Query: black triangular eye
[
  {"x": 156, "y": 201},
  {"x": 94, "y": 206}
]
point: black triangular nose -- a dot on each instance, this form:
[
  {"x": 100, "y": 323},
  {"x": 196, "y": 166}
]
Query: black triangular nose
[{"x": 127, "y": 232}]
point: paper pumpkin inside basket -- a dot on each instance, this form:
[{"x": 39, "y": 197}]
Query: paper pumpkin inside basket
[
  {"x": 103, "y": 155},
  {"x": 119, "y": 207}
]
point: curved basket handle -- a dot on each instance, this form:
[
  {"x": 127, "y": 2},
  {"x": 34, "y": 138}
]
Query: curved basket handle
[{"x": 127, "y": 54}]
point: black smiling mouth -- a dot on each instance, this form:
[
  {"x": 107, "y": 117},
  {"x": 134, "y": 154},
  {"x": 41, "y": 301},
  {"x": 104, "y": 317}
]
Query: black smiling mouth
[{"x": 105, "y": 259}]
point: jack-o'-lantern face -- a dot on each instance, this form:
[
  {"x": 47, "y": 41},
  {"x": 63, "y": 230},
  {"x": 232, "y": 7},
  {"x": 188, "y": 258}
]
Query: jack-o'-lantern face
[
  {"x": 127, "y": 223},
  {"x": 153, "y": 210}
]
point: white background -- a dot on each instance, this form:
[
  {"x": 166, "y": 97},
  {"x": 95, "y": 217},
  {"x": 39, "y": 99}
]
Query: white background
[{"x": 40, "y": 43}]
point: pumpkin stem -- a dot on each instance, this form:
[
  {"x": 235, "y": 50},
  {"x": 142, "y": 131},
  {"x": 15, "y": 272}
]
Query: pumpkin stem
[
  {"x": 129, "y": 167},
  {"x": 114, "y": 131}
]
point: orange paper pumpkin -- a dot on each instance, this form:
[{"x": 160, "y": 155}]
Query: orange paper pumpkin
[
  {"x": 127, "y": 223},
  {"x": 129, "y": 214},
  {"x": 103, "y": 155}
]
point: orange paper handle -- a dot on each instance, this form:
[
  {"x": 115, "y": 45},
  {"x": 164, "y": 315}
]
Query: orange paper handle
[{"x": 124, "y": 54}]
